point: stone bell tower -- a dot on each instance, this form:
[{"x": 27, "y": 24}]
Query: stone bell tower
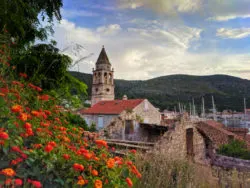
[{"x": 103, "y": 80}]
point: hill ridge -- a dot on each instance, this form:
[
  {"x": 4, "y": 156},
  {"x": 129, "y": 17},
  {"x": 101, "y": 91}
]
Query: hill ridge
[{"x": 166, "y": 91}]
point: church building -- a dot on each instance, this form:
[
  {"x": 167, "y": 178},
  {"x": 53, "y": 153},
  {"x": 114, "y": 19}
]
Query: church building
[{"x": 105, "y": 109}]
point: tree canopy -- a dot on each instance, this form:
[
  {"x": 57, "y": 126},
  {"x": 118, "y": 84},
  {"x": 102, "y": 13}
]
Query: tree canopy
[
  {"x": 21, "y": 18},
  {"x": 46, "y": 67}
]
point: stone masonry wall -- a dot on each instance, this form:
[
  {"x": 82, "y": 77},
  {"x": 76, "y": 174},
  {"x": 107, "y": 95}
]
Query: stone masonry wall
[
  {"x": 148, "y": 112},
  {"x": 173, "y": 143}
]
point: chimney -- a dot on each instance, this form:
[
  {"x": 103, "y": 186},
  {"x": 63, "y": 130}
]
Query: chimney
[{"x": 124, "y": 97}]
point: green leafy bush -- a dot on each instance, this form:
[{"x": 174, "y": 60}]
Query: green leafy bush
[{"x": 236, "y": 149}]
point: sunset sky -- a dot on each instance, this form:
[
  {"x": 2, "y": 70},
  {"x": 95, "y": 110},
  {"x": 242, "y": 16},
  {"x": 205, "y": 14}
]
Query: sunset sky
[{"x": 150, "y": 38}]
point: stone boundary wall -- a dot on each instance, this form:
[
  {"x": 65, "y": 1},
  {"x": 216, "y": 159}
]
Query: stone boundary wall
[{"x": 231, "y": 163}]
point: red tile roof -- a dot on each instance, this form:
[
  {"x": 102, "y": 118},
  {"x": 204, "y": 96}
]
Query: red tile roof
[
  {"x": 112, "y": 107},
  {"x": 215, "y": 123}
]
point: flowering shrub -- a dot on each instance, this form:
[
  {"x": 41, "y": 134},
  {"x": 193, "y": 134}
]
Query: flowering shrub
[{"x": 39, "y": 148}]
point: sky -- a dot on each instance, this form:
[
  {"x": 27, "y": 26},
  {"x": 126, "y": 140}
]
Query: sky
[{"x": 145, "y": 39}]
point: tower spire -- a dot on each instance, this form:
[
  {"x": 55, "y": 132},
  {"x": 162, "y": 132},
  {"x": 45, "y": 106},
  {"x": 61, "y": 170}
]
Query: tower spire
[{"x": 103, "y": 79}]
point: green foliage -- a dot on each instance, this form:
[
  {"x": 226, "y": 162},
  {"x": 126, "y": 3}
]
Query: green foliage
[
  {"x": 20, "y": 18},
  {"x": 92, "y": 127},
  {"x": 44, "y": 65},
  {"x": 47, "y": 68},
  {"x": 236, "y": 149},
  {"x": 76, "y": 121},
  {"x": 165, "y": 92}
]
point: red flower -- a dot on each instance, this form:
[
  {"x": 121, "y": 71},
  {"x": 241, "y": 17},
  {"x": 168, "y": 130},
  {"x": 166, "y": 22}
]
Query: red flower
[
  {"x": 133, "y": 151},
  {"x": 66, "y": 156},
  {"x": 78, "y": 167},
  {"x": 23, "y": 75},
  {"x": 44, "y": 97},
  {"x": 36, "y": 184},
  {"x": 18, "y": 182},
  {"x": 52, "y": 143},
  {"x": 27, "y": 125},
  {"x": 129, "y": 182},
  {"x": 4, "y": 135},
  {"x": 16, "y": 149},
  {"x": 48, "y": 148},
  {"x": 7, "y": 182}
]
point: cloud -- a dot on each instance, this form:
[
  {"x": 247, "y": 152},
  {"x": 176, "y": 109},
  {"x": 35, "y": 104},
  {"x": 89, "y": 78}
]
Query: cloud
[
  {"x": 69, "y": 32},
  {"x": 213, "y": 10},
  {"x": 78, "y": 13},
  {"x": 237, "y": 33},
  {"x": 163, "y": 6},
  {"x": 111, "y": 29},
  {"x": 144, "y": 53},
  {"x": 228, "y": 17}
]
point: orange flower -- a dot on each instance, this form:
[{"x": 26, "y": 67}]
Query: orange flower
[
  {"x": 2, "y": 94},
  {"x": 101, "y": 143},
  {"x": 110, "y": 163},
  {"x": 23, "y": 116},
  {"x": 98, "y": 184},
  {"x": 35, "y": 113},
  {"x": 129, "y": 182},
  {"x": 94, "y": 172},
  {"x": 17, "y": 108},
  {"x": 81, "y": 182},
  {"x": 4, "y": 135},
  {"x": 8, "y": 172}
]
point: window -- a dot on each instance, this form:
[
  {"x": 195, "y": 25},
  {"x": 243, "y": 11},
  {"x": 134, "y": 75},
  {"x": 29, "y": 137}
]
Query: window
[
  {"x": 100, "y": 122},
  {"x": 96, "y": 89},
  {"x": 107, "y": 90},
  {"x": 87, "y": 120}
]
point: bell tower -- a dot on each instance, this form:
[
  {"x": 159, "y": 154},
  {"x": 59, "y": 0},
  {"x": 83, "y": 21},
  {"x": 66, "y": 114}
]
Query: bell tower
[{"x": 103, "y": 79}]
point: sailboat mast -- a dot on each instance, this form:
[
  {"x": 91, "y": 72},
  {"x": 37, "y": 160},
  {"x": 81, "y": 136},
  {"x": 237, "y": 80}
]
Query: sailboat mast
[
  {"x": 193, "y": 108},
  {"x": 203, "y": 107},
  {"x": 190, "y": 109},
  {"x": 245, "y": 108},
  {"x": 214, "y": 109}
]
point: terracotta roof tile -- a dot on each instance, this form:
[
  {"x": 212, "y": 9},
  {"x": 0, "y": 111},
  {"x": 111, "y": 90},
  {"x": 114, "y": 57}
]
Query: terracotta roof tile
[{"x": 112, "y": 107}]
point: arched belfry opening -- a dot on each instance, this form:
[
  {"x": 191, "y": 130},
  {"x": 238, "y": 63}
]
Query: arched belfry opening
[{"x": 102, "y": 84}]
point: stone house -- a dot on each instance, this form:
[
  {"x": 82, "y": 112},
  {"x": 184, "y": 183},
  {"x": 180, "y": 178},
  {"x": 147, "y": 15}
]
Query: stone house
[
  {"x": 196, "y": 140},
  {"x": 130, "y": 112}
]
